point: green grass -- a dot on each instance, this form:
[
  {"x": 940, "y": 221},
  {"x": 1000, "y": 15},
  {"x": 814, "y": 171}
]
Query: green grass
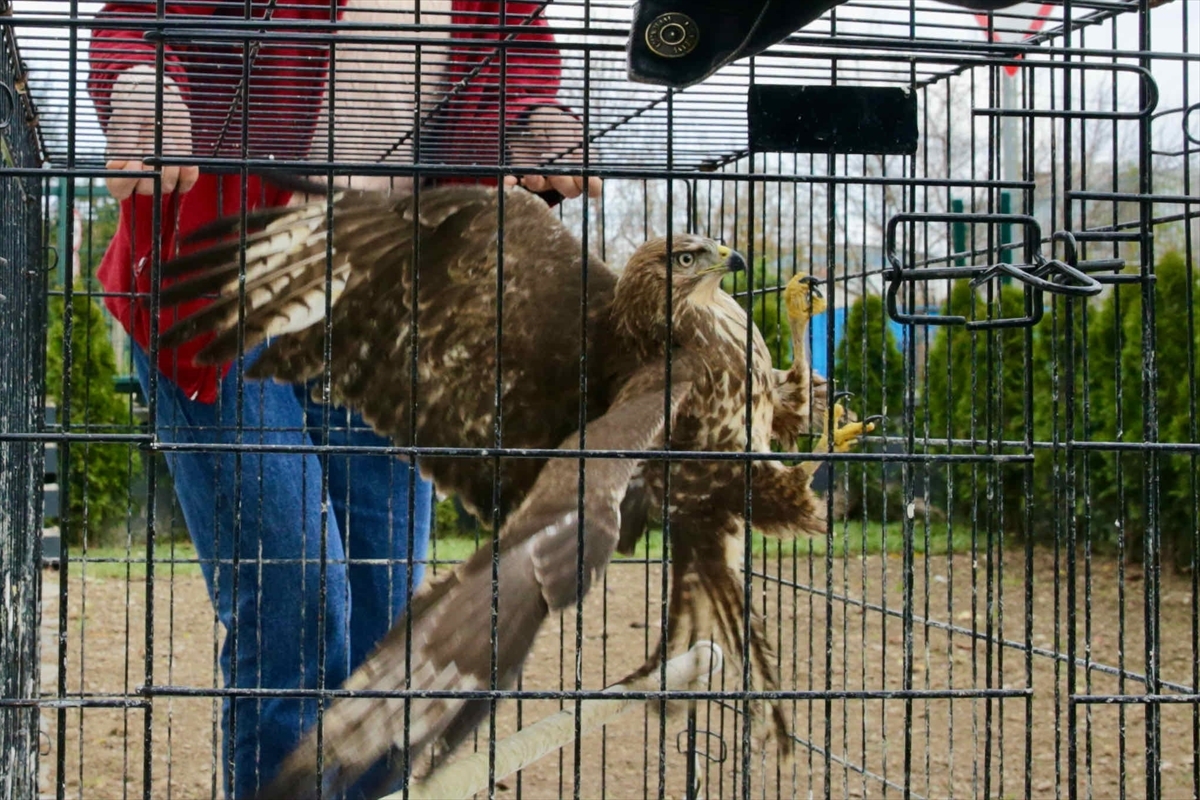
[
  {"x": 117, "y": 562},
  {"x": 852, "y": 539},
  {"x": 456, "y": 548},
  {"x": 849, "y": 540}
]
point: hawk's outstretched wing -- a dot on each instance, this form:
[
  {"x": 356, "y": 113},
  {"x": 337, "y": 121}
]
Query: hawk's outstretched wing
[
  {"x": 381, "y": 255},
  {"x": 450, "y": 621}
]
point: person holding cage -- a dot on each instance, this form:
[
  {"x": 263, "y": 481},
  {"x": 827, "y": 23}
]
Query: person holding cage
[{"x": 303, "y": 595}]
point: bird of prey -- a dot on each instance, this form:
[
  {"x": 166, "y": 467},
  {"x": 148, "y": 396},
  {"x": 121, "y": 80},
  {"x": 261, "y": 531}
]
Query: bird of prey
[{"x": 526, "y": 302}]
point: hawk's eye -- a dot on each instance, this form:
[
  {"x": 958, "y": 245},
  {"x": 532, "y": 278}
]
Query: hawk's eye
[{"x": 685, "y": 259}]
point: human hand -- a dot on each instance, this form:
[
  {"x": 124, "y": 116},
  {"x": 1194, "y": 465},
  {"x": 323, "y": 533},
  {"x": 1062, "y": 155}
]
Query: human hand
[
  {"x": 547, "y": 133},
  {"x": 131, "y": 134}
]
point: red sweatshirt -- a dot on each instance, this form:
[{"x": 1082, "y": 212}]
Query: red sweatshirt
[{"x": 286, "y": 87}]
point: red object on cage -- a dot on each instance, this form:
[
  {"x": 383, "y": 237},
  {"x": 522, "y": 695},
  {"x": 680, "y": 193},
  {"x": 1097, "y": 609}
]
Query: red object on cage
[{"x": 1002, "y": 29}]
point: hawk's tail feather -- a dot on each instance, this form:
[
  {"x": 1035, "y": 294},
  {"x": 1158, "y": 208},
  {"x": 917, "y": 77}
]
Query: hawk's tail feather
[
  {"x": 218, "y": 315},
  {"x": 259, "y": 218},
  {"x": 221, "y": 317},
  {"x": 272, "y": 231},
  {"x": 283, "y": 301},
  {"x": 298, "y": 183},
  {"x": 199, "y": 284},
  {"x": 727, "y": 596},
  {"x": 294, "y": 307},
  {"x": 457, "y": 634},
  {"x": 708, "y": 602},
  {"x": 450, "y": 652}
]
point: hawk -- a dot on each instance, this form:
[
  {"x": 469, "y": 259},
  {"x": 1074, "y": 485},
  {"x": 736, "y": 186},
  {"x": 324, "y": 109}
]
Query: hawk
[{"x": 507, "y": 321}]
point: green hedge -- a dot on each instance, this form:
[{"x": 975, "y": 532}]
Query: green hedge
[
  {"x": 868, "y": 363},
  {"x": 975, "y": 392},
  {"x": 1099, "y": 346},
  {"x": 99, "y": 475},
  {"x": 1116, "y": 480}
]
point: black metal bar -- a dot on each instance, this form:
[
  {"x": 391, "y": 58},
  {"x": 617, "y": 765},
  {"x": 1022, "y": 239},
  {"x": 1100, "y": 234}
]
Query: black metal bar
[
  {"x": 1136, "y": 699},
  {"x": 23, "y": 320},
  {"x": 591, "y": 694},
  {"x": 466, "y": 452}
]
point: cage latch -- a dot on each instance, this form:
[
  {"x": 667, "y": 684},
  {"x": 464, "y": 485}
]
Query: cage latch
[
  {"x": 1048, "y": 274},
  {"x": 1111, "y": 266},
  {"x": 1066, "y": 276}
]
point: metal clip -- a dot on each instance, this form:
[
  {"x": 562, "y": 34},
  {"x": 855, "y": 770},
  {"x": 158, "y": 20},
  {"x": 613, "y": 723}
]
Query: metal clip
[
  {"x": 1113, "y": 266},
  {"x": 704, "y": 752},
  {"x": 1085, "y": 286},
  {"x": 901, "y": 274},
  {"x": 1037, "y": 275},
  {"x": 1082, "y": 285},
  {"x": 9, "y": 107},
  {"x": 1187, "y": 115}
]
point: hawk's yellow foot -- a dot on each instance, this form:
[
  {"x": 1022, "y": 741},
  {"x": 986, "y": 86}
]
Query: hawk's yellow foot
[{"x": 846, "y": 436}]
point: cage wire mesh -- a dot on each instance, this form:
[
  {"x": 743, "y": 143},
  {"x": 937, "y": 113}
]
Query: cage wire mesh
[
  {"x": 22, "y": 304},
  {"x": 1004, "y": 602}
]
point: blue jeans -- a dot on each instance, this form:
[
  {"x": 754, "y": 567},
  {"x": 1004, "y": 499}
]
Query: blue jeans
[{"x": 284, "y": 615}]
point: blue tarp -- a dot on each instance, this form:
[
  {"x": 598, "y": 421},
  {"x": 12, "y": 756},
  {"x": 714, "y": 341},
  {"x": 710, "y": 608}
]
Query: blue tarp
[{"x": 820, "y": 358}]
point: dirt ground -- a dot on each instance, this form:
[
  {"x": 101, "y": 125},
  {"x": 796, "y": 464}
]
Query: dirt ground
[{"x": 963, "y": 747}]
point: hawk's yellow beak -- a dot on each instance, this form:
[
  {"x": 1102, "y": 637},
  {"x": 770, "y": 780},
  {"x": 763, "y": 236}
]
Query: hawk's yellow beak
[{"x": 733, "y": 259}]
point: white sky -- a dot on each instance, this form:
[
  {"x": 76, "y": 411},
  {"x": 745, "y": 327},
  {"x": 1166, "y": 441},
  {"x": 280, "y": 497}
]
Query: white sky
[{"x": 47, "y": 46}]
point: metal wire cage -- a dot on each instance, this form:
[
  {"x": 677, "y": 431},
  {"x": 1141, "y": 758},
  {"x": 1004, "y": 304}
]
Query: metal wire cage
[
  {"x": 22, "y": 300},
  {"x": 1005, "y": 600}
]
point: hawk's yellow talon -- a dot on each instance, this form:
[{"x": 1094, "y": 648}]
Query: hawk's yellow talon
[
  {"x": 839, "y": 413},
  {"x": 846, "y": 436}
]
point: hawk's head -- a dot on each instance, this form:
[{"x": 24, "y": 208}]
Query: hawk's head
[{"x": 694, "y": 261}]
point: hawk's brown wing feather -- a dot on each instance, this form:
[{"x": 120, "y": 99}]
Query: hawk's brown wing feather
[
  {"x": 285, "y": 265},
  {"x": 450, "y": 621},
  {"x": 446, "y": 241}
]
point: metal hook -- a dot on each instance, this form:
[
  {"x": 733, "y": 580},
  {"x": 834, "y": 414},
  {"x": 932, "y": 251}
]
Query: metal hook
[
  {"x": 7, "y": 115},
  {"x": 1034, "y": 306},
  {"x": 1187, "y": 133},
  {"x": 1084, "y": 285},
  {"x": 52, "y": 264},
  {"x": 703, "y": 752},
  {"x": 995, "y": 271}
]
